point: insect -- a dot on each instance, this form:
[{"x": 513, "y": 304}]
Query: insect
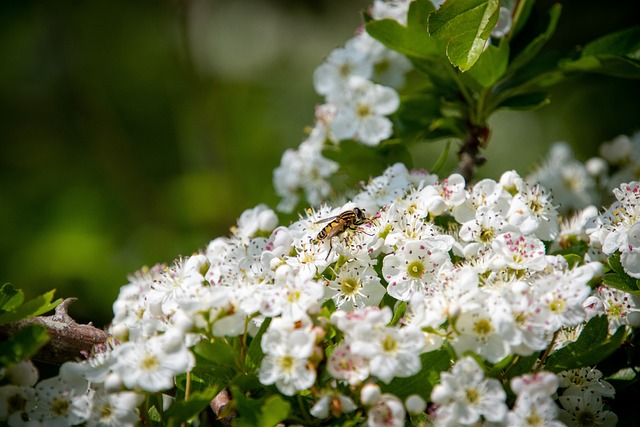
[{"x": 347, "y": 220}]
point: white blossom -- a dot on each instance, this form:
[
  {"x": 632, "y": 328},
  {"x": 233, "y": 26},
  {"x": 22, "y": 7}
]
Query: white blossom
[
  {"x": 464, "y": 395},
  {"x": 287, "y": 349},
  {"x": 361, "y": 113}
]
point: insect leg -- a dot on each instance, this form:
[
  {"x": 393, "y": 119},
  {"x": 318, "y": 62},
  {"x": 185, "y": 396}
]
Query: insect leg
[{"x": 330, "y": 248}]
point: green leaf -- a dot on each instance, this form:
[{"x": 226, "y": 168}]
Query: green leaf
[
  {"x": 423, "y": 382},
  {"x": 31, "y": 308},
  {"x": 616, "y": 54},
  {"x": 573, "y": 260},
  {"x": 491, "y": 66},
  {"x": 618, "y": 278},
  {"x": 197, "y": 383},
  {"x": 615, "y": 263},
  {"x": 274, "y": 410},
  {"x": 592, "y": 346},
  {"x": 254, "y": 352},
  {"x": 526, "y": 101},
  {"x": 399, "y": 312},
  {"x": 420, "y": 118},
  {"x": 524, "y": 365},
  {"x": 412, "y": 40},
  {"x": 621, "y": 282},
  {"x": 185, "y": 410},
  {"x": 154, "y": 414},
  {"x": 217, "y": 352},
  {"x": 10, "y": 298},
  {"x": 22, "y": 345},
  {"x": 624, "y": 374},
  {"x": 534, "y": 47},
  {"x": 621, "y": 43},
  {"x": 259, "y": 411},
  {"x": 215, "y": 362},
  {"x": 610, "y": 65},
  {"x": 466, "y": 26}
]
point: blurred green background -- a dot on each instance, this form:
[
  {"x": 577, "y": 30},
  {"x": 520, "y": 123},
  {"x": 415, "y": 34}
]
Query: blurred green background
[{"x": 135, "y": 132}]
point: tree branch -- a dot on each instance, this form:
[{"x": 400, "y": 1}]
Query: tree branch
[
  {"x": 68, "y": 339},
  {"x": 469, "y": 153}
]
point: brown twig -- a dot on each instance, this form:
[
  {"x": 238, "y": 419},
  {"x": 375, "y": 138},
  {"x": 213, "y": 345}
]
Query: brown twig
[
  {"x": 68, "y": 339},
  {"x": 469, "y": 153},
  {"x": 220, "y": 407}
]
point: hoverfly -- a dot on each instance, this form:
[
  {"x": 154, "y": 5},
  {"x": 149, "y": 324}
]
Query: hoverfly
[{"x": 347, "y": 220}]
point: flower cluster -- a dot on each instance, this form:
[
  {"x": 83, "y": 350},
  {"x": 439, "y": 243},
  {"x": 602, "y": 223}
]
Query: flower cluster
[
  {"x": 358, "y": 82},
  {"x": 469, "y": 266},
  {"x": 421, "y": 299},
  {"x": 618, "y": 229}
]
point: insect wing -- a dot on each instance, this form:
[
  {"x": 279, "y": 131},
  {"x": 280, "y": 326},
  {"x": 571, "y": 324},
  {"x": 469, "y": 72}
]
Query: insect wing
[{"x": 331, "y": 218}]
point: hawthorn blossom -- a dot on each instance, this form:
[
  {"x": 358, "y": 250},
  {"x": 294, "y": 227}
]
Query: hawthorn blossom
[
  {"x": 332, "y": 403},
  {"x": 413, "y": 266},
  {"x": 332, "y": 77},
  {"x": 534, "y": 405},
  {"x": 391, "y": 9},
  {"x": 343, "y": 364},
  {"x": 355, "y": 286},
  {"x": 532, "y": 211},
  {"x": 384, "y": 189},
  {"x": 503, "y": 26},
  {"x": 115, "y": 409},
  {"x": 152, "y": 364},
  {"x": 287, "y": 349},
  {"x": 361, "y": 113},
  {"x": 178, "y": 283},
  {"x": 623, "y": 153},
  {"x": 561, "y": 295},
  {"x": 293, "y": 294},
  {"x": 485, "y": 193},
  {"x": 15, "y": 401},
  {"x": 386, "y": 412},
  {"x": 572, "y": 186},
  {"x": 533, "y": 410},
  {"x": 444, "y": 195},
  {"x": 464, "y": 396},
  {"x": 392, "y": 351},
  {"x": 518, "y": 252},
  {"x": 585, "y": 409},
  {"x": 487, "y": 330},
  {"x": 620, "y": 307},
  {"x": 389, "y": 66},
  {"x": 583, "y": 380},
  {"x": 60, "y": 402},
  {"x": 259, "y": 220},
  {"x": 23, "y": 373},
  {"x": 304, "y": 169},
  {"x": 618, "y": 229}
]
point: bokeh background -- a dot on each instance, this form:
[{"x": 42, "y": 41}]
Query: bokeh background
[{"x": 135, "y": 132}]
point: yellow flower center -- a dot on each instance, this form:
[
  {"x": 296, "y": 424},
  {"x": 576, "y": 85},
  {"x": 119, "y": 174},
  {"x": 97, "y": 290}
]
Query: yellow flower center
[
  {"x": 349, "y": 286},
  {"x": 415, "y": 269},
  {"x": 483, "y": 327}
]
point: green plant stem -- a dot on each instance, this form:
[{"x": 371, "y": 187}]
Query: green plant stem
[
  {"x": 303, "y": 410},
  {"x": 517, "y": 12},
  {"x": 187, "y": 387},
  {"x": 513, "y": 363},
  {"x": 442, "y": 158},
  {"x": 463, "y": 89},
  {"x": 546, "y": 353}
]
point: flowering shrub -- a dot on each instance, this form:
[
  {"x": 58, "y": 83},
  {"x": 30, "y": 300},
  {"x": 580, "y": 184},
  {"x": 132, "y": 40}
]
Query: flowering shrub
[{"x": 416, "y": 299}]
